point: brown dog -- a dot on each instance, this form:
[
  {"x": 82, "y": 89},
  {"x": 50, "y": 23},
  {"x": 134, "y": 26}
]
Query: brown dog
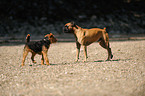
[
  {"x": 39, "y": 47},
  {"x": 87, "y": 36}
]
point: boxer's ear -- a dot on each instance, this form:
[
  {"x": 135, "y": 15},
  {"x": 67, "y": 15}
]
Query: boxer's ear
[
  {"x": 74, "y": 25},
  {"x": 72, "y": 22}
]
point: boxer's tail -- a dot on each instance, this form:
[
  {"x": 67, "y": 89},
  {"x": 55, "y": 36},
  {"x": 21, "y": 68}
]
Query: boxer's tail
[
  {"x": 105, "y": 35},
  {"x": 104, "y": 28}
]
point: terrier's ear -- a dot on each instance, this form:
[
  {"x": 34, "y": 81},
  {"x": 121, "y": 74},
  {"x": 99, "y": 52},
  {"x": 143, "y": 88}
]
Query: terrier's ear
[
  {"x": 50, "y": 35},
  {"x": 46, "y": 37}
]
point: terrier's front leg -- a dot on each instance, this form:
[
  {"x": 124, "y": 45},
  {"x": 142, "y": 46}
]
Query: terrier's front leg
[{"x": 45, "y": 57}]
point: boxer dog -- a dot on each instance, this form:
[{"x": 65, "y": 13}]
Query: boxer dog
[{"x": 86, "y": 37}]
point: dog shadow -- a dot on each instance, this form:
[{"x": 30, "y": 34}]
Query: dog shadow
[
  {"x": 111, "y": 60},
  {"x": 43, "y": 65},
  {"x": 79, "y": 62},
  {"x": 100, "y": 61}
]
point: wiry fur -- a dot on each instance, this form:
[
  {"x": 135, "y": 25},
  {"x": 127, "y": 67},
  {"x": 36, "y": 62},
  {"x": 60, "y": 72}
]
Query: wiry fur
[{"x": 39, "y": 47}]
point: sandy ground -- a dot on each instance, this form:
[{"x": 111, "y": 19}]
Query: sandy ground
[{"x": 123, "y": 76}]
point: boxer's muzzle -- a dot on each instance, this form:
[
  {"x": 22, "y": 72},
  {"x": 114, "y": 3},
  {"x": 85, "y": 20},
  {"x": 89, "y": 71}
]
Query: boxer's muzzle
[{"x": 65, "y": 29}]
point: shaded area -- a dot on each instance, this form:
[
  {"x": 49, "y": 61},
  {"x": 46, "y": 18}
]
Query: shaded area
[
  {"x": 20, "y": 17},
  {"x": 63, "y": 9}
]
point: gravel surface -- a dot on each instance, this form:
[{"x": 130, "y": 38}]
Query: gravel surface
[{"x": 123, "y": 76}]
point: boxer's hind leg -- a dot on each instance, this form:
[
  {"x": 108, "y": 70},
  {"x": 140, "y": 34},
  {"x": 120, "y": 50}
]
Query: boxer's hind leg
[{"x": 105, "y": 44}]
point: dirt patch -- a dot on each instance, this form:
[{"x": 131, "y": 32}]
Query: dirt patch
[{"x": 123, "y": 76}]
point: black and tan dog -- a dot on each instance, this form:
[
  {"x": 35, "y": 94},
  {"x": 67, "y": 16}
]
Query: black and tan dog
[
  {"x": 87, "y": 36},
  {"x": 38, "y": 47}
]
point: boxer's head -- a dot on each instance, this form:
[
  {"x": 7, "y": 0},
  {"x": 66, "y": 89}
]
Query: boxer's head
[{"x": 69, "y": 27}]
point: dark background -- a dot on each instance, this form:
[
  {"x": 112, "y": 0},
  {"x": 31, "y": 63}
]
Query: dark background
[{"x": 44, "y": 16}]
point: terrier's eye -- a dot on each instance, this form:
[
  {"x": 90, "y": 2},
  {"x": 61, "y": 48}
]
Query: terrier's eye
[
  {"x": 66, "y": 26},
  {"x": 51, "y": 36}
]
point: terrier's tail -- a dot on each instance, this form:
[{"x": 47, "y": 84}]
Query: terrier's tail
[{"x": 28, "y": 38}]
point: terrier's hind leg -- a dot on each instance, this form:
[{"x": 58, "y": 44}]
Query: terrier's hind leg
[{"x": 32, "y": 57}]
